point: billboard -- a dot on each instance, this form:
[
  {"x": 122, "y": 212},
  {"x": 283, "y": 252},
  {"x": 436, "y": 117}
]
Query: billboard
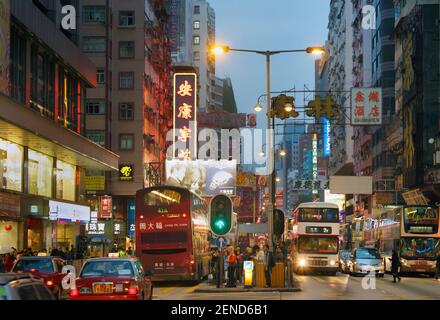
[
  {"x": 5, "y": 27},
  {"x": 366, "y": 106},
  {"x": 351, "y": 185},
  {"x": 68, "y": 212},
  {"x": 204, "y": 177},
  {"x": 245, "y": 210},
  {"x": 185, "y": 115},
  {"x": 326, "y": 142}
]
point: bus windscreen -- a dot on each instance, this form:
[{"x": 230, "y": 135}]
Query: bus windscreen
[
  {"x": 162, "y": 197},
  {"x": 318, "y": 215},
  {"x": 324, "y": 245},
  {"x": 421, "y": 220}
]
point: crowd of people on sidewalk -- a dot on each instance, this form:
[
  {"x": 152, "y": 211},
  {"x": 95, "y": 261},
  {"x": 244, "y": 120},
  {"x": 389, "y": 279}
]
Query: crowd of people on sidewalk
[{"x": 234, "y": 260}]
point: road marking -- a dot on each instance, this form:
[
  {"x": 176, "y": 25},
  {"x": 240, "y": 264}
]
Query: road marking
[{"x": 191, "y": 290}]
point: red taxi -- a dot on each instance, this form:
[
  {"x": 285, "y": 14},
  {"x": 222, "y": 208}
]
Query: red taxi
[
  {"x": 47, "y": 268},
  {"x": 112, "y": 279}
]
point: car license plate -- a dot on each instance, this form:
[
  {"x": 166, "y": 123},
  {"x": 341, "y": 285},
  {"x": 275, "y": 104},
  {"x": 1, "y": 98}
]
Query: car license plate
[
  {"x": 420, "y": 262},
  {"x": 101, "y": 288}
]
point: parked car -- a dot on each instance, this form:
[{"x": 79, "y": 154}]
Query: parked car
[
  {"x": 366, "y": 260},
  {"x": 344, "y": 257},
  {"x": 113, "y": 279},
  {"x": 23, "y": 286},
  {"x": 47, "y": 268}
]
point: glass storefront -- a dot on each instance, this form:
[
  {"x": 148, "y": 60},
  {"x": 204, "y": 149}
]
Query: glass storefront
[
  {"x": 40, "y": 174},
  {"x": 8, "y": 235},
  {"x": 11, "y": 166},
  {"x": 66, "y": 181},
  {"x": 66, "y": 234}
]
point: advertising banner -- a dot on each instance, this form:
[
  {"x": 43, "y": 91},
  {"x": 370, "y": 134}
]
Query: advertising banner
[
  {"x": 68, "y": 212},
  {"x": 94, "y": 183},
  {"x": 366, "y": 104},
  {"x": 185, "y": 116},
  {"x": 9, "y": 206},
  {"x": 204, "y": 177},
  {"x": 246, "y": 209},
  {"x": 131, "y": 218},
  {"x": 326, "y": 138},
  {"x": 105, "y": 210}
]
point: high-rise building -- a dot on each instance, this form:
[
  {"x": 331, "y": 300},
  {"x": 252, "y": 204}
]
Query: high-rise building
[
  {"x": 180, "y": 31},
  {"x": 204, "y": 61},
  {"x": 43, "y": 152},
  {"x": 130, "y": 110},
  {"x": 340, "y": 66}
]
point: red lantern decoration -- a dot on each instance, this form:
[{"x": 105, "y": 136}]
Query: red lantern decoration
[{"x": 8, "y": 227}]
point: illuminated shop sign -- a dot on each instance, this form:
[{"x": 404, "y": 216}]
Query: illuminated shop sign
[
  {"x": 315, "y": 158},
  {"x": 366, "y": 106},
  {"x": 68, "y": 212},
  {"x": 185, "y": 116},
  {"x": 327, "y": 143},
  {"x": 126, "y": 172}
]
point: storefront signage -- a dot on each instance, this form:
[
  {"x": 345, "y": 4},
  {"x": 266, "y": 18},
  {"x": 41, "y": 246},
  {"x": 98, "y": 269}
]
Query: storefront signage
[
  {"x": 9, "y": 206},
  {"x": 131, "y": 218},
  {"x": 185, "y": 116},
  {"x": 366, "y": 106},
  {"x": 105, "y": 210},
  {"x": 126, "y": 172},
  {"x": 310, "y": 185},
  {"x": 327, "y": 141},
  {"x": 68, "y": 212},
  {"x": 94, "y": 183}
]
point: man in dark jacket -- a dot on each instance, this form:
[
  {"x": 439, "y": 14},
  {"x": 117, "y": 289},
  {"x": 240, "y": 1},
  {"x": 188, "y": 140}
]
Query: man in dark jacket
[
  {"x": 395, "y": 264},
  {"x": 269, "y": 263}
]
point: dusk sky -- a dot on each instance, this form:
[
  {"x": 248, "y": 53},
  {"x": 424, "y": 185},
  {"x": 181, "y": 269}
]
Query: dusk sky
[{"x": 268, "y": 25}]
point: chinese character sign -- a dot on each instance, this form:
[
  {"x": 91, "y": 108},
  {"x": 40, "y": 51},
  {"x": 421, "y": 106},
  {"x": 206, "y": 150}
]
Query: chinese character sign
[
  {"x": 105, "y": 211},
  {"x": 366, "y": 104},
  {"x": 185, "y": 115}
]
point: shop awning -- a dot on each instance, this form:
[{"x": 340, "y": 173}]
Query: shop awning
[{"x": 28, "y": 128}]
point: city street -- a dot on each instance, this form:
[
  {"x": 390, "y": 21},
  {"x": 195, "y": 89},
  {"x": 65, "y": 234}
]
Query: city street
[{"x": 318, "y": 287}]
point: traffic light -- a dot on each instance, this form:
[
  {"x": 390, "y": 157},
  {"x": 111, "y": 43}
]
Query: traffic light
[
  {"x": 278, "y": 222},
  {"x": 220, "y": 215}
]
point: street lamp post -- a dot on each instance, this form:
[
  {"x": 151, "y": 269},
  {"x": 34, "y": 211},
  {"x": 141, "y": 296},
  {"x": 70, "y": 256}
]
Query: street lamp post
[{"x": 220, "y": 49}]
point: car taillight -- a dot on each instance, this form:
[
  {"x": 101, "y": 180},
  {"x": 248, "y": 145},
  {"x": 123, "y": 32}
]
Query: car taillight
[
  {"x": 184, "y": 215},
  {"x": 133, "y": 289},
  {"x": 49, "y": 283},
  {"x": 74, "y": 292}
]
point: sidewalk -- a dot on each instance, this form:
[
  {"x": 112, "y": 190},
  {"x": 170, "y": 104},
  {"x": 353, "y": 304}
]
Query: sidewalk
[{"x": 211, "y": 288}]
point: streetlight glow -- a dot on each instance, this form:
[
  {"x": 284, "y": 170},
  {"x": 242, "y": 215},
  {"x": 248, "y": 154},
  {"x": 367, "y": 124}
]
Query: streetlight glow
[
  {"x": 283, "y": 153},
  {"x": 258, "y": 107},
  {"x": 288, "y": 107},
  {"x": 219, "y": 49},
  {"x": 315, "y": 50}
]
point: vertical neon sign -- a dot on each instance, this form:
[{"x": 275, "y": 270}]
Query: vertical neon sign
[{"x": 327, "y": 143}]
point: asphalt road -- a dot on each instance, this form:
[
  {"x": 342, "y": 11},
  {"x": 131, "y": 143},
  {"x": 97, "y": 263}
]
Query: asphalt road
[{"x": 317, "y": 287}]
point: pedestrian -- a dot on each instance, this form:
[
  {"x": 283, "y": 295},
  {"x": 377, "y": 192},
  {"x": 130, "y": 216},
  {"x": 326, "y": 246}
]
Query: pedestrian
[
  {"x": 269, "y": 263},
  {"x": 395, "y": 264},
  {"x": 437, "y": 266},
  {"x": 72, "y": 252},
  {"x": 130, "y": 251},
  {"x": 279, "y": 257},
  {"x": 260, "y": 255},
  {"x": 239, "y": 265},
  {"x": 232, "y": 262},
  {"x": 9, "y": 262}
]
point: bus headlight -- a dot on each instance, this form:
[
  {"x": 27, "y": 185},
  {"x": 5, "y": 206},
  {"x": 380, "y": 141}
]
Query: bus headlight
[
  {"x": 404, "y": 262},
  {"x": 332, "y": 263},
  {"x": 302, "y": 262}
]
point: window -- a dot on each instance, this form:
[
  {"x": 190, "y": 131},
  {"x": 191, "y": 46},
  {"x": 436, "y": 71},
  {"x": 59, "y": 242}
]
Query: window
[
  {"x": 42, "y": 81},
  {"x": 196, "y": 40},
  {"x": 126, "y": 18},
  {"x": 95, "y": 107},
  {"x": 126, "y": 49},
  {"x": 196, "y": 9},
  {"x": 318, "y": 215},
  {"x": 317, "y": 245},
  {"x": 107, "y": 269},
  {"x": 11, "y": 170},
  {"x": 126, "y": 80},
  {"x": 100, "y": 76},
  {"x": 17, "y": 67},
  {"x": 93, "y": 14},
  {"x": 65, "y": 176},
  {"x": 93, "y": 44},
  {"x": 126, "y": 111},
  {"x": 126, "y": 142},
  {"x": 196, "y": 55},
  {"x": 97, "y": 136},
  {"x": 196, "y": 25},
  {"x": 40, "y": 174},
  {"x": 43, "y": 292}
]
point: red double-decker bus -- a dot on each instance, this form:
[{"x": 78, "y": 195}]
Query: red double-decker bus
[{"x": 172, "y": 233}]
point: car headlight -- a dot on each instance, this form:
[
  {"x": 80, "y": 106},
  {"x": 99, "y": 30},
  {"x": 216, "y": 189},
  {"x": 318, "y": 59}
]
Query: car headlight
[{"x": 302, "y": 262}]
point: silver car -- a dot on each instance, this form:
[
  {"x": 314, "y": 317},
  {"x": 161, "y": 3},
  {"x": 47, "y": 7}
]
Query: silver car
[
  {"x": 22, "y": 286},
  {"x": 366, "y": 260}
]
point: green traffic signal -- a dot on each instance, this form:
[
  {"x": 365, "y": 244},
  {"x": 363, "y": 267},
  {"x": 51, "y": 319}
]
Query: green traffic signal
[{"x": 220, "y": 215}]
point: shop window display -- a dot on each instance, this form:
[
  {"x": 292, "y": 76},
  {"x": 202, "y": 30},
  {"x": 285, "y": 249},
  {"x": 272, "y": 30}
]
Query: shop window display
[
  {"x": 66, "y": 174},
  {"x": 11, "y": 166},
  {"x": 40, "y": 174}
]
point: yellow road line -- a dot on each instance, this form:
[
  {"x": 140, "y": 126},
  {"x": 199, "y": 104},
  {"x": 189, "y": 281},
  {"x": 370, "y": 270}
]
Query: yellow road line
[{"x": 192, "y": 289}]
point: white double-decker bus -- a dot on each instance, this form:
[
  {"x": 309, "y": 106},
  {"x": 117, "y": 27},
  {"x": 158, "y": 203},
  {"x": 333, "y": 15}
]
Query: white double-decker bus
[{"x": 315, "y": 238}]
